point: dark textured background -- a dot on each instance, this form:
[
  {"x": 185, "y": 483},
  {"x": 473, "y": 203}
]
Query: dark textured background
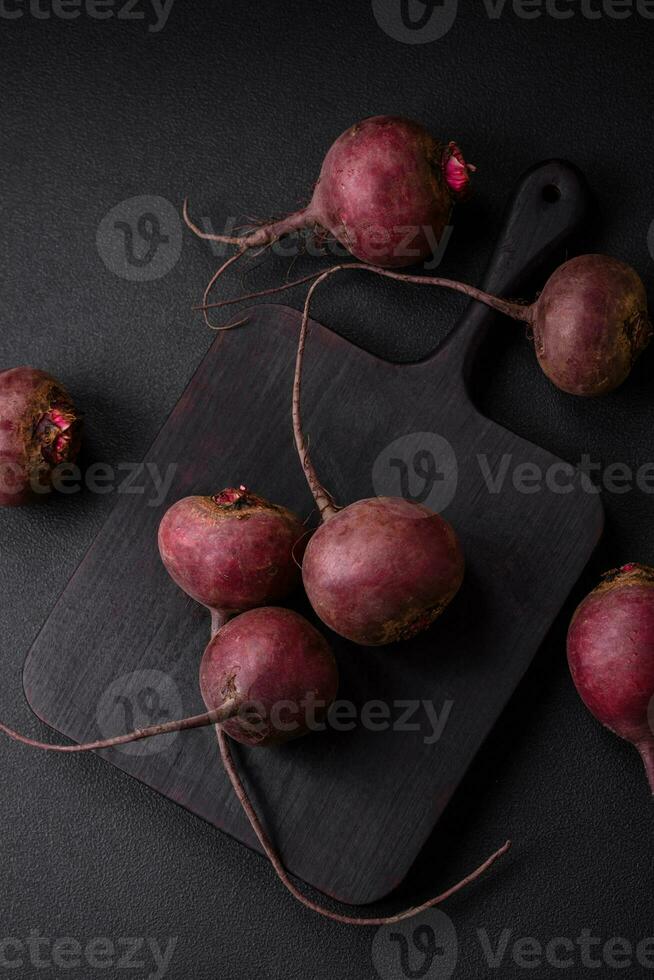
[{"x": 235, "y": 104}]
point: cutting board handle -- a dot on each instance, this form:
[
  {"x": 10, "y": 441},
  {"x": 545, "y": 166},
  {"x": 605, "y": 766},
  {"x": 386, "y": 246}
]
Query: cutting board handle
[{"x": 549, "y": 203}]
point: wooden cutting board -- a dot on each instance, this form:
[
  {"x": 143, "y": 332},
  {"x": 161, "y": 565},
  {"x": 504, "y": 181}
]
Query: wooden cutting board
[{"x": 349, "y": 809}]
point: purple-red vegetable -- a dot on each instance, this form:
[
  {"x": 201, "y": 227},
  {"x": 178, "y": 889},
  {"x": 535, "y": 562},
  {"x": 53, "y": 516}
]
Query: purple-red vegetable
[
  {"x": 256, "y": 669},
  {"x": 385, "y": 192},
  {"x": 381, "y": 569},
  {"x": 271, "y": 660},
  {"x": 611, "y": 656},
  {"x": 256, "y": 663},
  {"x": 39, "y": 430},
  {"x": 588, "y": 325},
  {"x": 232, "y": 551}
]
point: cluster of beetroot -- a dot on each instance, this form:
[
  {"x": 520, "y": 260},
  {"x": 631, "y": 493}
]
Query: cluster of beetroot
[
  {"x": 589, "y": 324},
  {"x": 241, "y": 556}
]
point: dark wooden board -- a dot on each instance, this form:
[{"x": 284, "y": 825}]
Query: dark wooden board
[{"x": 349, "y": 810}]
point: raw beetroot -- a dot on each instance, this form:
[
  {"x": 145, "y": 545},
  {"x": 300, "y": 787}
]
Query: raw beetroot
[
  {"x": 232, "y": 551},
  {"x": 274, "y": 663},
  {"x": 588, "y": 325},
  {"x": 611, "y": 656},
  {"x": 382, "y": 569},
  {"x": 39, "y": 430},
  {"x": 385, "y": 192},
  {"x": 261, "y": 660}
]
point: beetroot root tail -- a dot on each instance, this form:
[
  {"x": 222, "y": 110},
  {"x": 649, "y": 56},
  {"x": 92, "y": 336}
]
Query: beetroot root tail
[
  {"x": 284, "y": 877},
  {"x": 226, "y": 710},
  {"x": 260, "y": 238}
]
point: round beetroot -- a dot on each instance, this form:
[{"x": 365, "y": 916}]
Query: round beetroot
[
  {"x": 385, "y": 192},
  {"x": 232, "y": 551},
  {"x": 588, "y": 325},
  {"x": 257, "y": 676},
  {"x": 382, "y": 570},
  {"x": 274, "y": 663},
  {"x": 255, "y": 673},
  {"x": 611, "y": 656},
  {"x": 39, "y": 430}
]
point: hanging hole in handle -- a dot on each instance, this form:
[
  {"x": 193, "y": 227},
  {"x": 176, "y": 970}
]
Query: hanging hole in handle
[{"x": 551, "y": 193}]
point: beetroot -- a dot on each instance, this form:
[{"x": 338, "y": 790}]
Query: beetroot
[
  {"x": 232, "y": 551},
  {"x": 381, "y": 569},
  {"x": 264, "y": 658},
  {"x": 39, "y": 430},
  {"x": 589, "y": 324},
  {"x": 383, "y": 184},
  {"x": 259, "y": 660},
  {"x": 385, "y": 192},
  {"x": 611, "y": 656}
]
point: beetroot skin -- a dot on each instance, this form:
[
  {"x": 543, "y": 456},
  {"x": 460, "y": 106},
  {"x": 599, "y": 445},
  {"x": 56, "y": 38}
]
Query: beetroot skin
[
  {"x": 39, "y": 429},
  {"x": 267, "y": 660},
  {"x": 611, "y": 656},
  {"x": 590, "y": 324},
  {"x": 385, "y": 192},
  {"x": 382, "y": 183},
  {"x": 382, "y": 570},
  {"x": 273, "y": 660},
  {"x": 232, "y": 551}
]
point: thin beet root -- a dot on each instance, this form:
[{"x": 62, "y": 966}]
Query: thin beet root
[
  {"x": 385, "y": 192},
  {"x": 284, "y": 877},
  {"x": 232, "y": 551},
  {"x": 611, "y": 656},
  {"x": 228, "y": 708}
]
